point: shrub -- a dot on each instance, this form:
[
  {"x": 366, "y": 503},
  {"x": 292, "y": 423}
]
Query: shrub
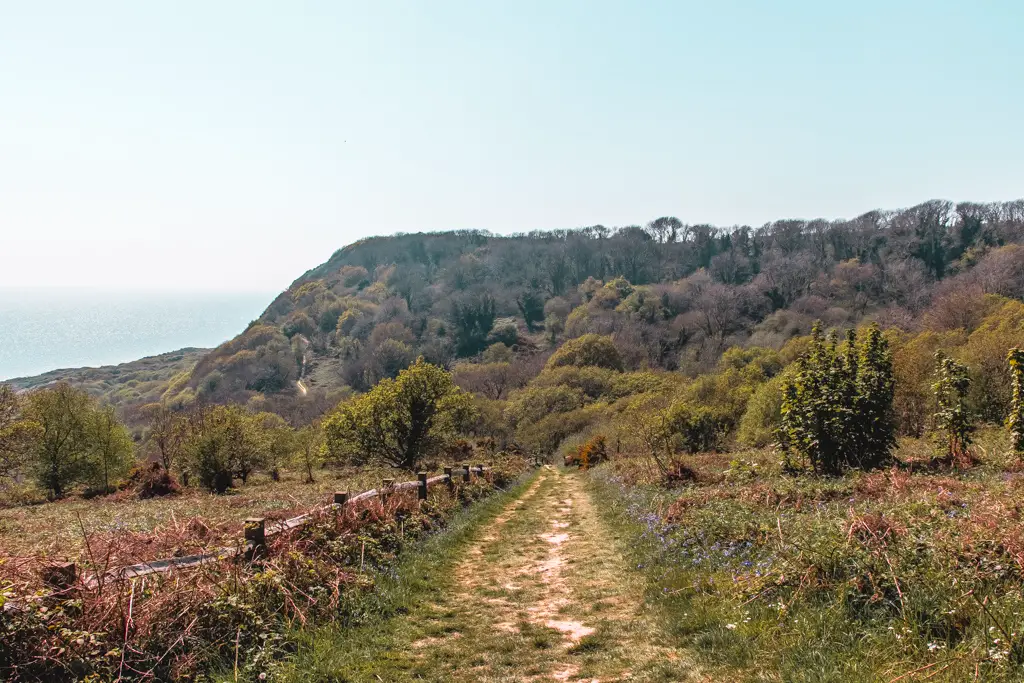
[
  {"x": 226, "y": 442},
  {"x": 592, "y": 381},
  {"x": 837, "y": 409},
  {"x": 763, "y": 417},
  {"x": 151, "y": 480},
  {"x": 401, "y": 421},
  {"x": 588, "y": 350},
  {"x": 589, "y": 453},
  {"x": 697, "y": 427},
  {"x": 534, "y": 403},
  {"x": 951, "y": 386},
  {"x": 1015, "y": 421}
]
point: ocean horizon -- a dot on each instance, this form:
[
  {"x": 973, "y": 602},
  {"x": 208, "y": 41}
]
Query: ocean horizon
[{"x": 51, "y": 329}]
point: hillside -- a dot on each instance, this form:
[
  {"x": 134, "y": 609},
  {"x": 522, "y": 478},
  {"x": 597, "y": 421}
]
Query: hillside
[
  {"x": 126, "y": 385},
  {"x": 673, "y": 295},
  {"x": 757, "y": 496}
]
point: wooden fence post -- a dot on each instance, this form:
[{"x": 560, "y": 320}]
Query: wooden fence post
[
  {"x": 465, "y": 473},
  {"x": 422, "y": 476},
  {"x": 340, "y": 497},
  {"x": 255, "y": 537},
  {"x": 61, "y": 575},
  {"x": 451, "y": 478}
]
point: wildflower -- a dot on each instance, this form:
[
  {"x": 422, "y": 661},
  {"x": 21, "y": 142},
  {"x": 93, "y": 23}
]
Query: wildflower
[{"x": 731, "y": 627}]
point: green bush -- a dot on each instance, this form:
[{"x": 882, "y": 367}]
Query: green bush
[
  {"x": 763, "y": 417},
  {"x": 532, "y": 404},
  {"x": 401, "y": 421},
  {"x": 837, "y": 408},
  {"x": 697, "y": 427},
  {"x": 588, "y": 350}
]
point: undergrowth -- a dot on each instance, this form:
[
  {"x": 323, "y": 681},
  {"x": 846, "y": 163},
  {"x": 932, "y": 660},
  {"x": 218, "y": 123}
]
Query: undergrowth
[
  {"x": 906, "y": 574},
  {"x": 342, "y": 652},
  {"x": 228, "y": 616}
]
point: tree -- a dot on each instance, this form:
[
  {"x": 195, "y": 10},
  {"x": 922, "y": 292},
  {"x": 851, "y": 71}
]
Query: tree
[
  {"x": 472, "y": 318},
  {"x": 1015, "y": 421},
  {"x": 531, "y": 305},
  {"x": 113, "y": 452},
  {"x": 310, "y": 449},
  {"x": 647, "y": 420},
  {"x": 401, "y": 421},
  {"x": 167, "y": 431},
  {"x": 590, "y": 349},
  {"x": 61, "y": 457},
  {"x": 279, "y": 441},
  {"x": 873, "y": 414},
  {"x": 226, "y": 442},
  {"x": 18, "y": 433},
  {"x": 837, "y": 409},
  {"x": 951, "y": 386}
]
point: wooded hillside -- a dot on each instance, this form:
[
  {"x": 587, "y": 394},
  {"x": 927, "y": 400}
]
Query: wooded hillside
[{"x": 671, "y": 295}]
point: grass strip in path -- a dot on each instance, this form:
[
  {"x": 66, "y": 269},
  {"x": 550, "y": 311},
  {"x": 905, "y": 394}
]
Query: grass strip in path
[{"x": 533, "y": 588}]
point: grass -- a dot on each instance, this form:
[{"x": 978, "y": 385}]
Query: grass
[
  {"x": 171, "y": 524},
  {"x": 345, "y": 653},
  {"x": 240, "y": 615},
  {"x": 530, "y": 588},
  {"x": 912, "y": 572}
]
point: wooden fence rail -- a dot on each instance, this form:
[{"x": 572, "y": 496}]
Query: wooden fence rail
[{"x": 256, "y": 533}]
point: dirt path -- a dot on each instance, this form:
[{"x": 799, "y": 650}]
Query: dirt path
[
  {"x": 302, "y": 368},
  {"x": 543, "y": 593}
]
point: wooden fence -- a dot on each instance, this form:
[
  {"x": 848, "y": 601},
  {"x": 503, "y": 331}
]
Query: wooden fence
[{"x": 255, "y": 533}]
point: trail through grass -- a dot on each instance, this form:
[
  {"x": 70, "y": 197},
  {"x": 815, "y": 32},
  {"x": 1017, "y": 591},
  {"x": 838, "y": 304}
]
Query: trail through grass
[{"x": 539, "y": 591}]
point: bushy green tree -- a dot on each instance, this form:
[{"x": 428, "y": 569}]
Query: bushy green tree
[
  {"x": 402, "y": 421},
  {"x": 62, "y": 456},
  {"x": 537, "y": 401},
  {"x": 837, "y": 409},
  {"x": 18, "y": 432},
  {"x": 226, "y": 442},
  {"x": 1015, "y": 421},
  {"x": 763, "y": 415},
  {"x": 113, "y": 452},
  {"x": 531, "y": 305},
  {"x": 472, "y": 317},
  {"x": 279, "y": 439},
  {"x": 588, "y": 350},
  {"x": 697, "y": 427},
  {"x": 952, "y": 382},
  {"x": 310, "y": 449}
]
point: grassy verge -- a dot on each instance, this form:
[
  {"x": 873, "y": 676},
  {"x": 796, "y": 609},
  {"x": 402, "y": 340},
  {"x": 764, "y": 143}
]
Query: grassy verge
[
  {"x": 905, "y": 575},
  {"x": 351, "y": 651},
  {"x": 164, "y": 526}
]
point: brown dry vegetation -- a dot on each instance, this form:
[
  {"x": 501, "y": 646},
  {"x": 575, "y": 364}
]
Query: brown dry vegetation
[{"x": 162, "y": 527}]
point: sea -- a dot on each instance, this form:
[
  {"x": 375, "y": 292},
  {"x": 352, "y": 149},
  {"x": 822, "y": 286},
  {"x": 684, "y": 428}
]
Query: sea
[{"x": 49, "y": 329}]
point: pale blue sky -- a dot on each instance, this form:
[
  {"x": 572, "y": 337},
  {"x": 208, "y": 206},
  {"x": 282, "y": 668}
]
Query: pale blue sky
[{"x": 233, "y": 145}]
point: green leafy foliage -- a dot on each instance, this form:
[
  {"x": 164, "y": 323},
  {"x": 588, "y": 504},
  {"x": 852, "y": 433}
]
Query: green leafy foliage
[
  {"x": 589, "y": 350},
  {"x": 77, "y": 442},
  {"x": 1015, "y": 421},
  {"x": 401, "y": 421},
  {"x": 953, "y": 416},
  {"x": 17, "y": 432},
  {"x": 226, "y": 442},
  {"x": 837, "y": 408},
  {"x": 113, "y": 453}
]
